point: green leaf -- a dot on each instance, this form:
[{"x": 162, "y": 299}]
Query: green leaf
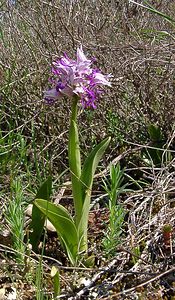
[
  {"x": 91, "y": 164},
  {"x": 155, "y": 133},
  {"x": 87, "y": 177},
  {"x": 45, "y": 190},
  {"x": 56, "y": 281},
  {"x": 38, "y": 218},
  {"x": 154, "y": 155},
  {"x": 64, "y": 224}
]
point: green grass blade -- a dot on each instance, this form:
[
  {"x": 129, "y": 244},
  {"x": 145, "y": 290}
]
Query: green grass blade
[
  {"x": 150, "y": 8},
  {"x": 159, "y": 13}
]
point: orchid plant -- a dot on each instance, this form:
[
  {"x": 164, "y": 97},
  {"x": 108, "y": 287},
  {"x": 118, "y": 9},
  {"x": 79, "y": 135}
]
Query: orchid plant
[{"x": 77, "y": 80}]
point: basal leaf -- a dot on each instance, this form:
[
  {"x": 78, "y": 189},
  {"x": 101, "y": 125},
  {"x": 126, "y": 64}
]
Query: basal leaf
[
  {"x": 45, "y": 190},
  {"x": 38, "y": 218},
  {"x": 64, "y": 224}
]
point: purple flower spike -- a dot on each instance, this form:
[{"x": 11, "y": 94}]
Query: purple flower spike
[{"x": 76, "y": 77}]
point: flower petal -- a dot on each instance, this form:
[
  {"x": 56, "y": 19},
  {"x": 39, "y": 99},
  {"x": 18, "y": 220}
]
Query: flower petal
[
  {"x": 81, "y": 56},
  {"x": 99, "y": 78},
  {"x": 53, "y": 93}
]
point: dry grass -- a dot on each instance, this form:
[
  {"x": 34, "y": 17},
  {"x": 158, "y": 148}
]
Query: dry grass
[
  {"x": 137, "y": 48},
  {"x": 126, "y": 41}
]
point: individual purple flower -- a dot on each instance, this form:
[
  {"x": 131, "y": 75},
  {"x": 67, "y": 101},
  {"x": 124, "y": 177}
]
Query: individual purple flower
[{"x": 76, "y": 77}]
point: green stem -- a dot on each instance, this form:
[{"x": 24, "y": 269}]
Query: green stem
[{"x": 75, "y": 162}]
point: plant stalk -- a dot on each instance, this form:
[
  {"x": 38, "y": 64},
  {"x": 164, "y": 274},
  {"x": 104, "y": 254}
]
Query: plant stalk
[{"x": 75, "y": 161}]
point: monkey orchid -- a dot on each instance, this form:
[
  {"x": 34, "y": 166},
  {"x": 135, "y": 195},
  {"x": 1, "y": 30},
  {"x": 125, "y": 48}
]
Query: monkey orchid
[{"x": 77, "y": 80}]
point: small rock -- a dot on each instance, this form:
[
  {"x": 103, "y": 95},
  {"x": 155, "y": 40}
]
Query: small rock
[{"x": 48, "y": 224}]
